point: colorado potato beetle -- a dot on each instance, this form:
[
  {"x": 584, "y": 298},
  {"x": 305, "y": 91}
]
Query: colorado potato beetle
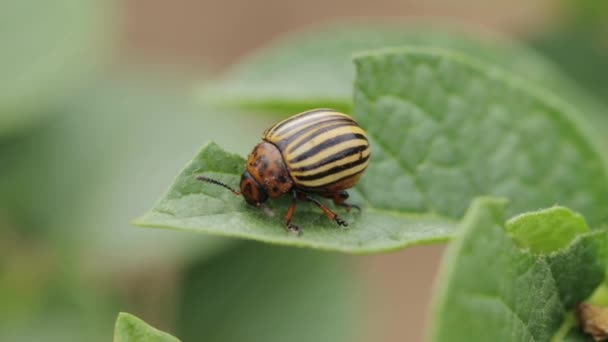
[{"x": 318, "y": 152}]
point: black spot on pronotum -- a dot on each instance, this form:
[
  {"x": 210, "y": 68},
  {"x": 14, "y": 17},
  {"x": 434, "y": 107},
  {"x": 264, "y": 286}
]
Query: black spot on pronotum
[
  {"x": 248, "y": 188},
  {"x": 264, "y": 164},
  {"x": 275, "y": 189}
]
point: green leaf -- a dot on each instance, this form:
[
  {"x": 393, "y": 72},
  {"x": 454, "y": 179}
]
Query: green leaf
[
  {"x": 446, "y": 129},
  {"x": 547, "y": 230},
  {"x": 313, "y": 68},
  {"x": 443, "y": 130},
  {"x": 261, "y": 293},
  {"x": 132, "y": 329},
  {"x": 492, "y": 290},
  {"x": 195, "y": 206}
]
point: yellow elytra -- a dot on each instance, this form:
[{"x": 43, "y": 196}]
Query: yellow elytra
[{"x": 321, "y": 148}]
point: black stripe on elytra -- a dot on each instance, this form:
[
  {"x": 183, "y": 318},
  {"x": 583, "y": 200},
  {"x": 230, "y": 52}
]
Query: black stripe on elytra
[
  {"x": 306, "y": 121},
  {"x": 341, "y": 122},
  {"x": 327, "y": 144},
  {"x": 323, "y": 187},
  {"x": 299, "y": 116},
  {"x": 333, "y": 158},
  {"x": 333, "y": 170}
]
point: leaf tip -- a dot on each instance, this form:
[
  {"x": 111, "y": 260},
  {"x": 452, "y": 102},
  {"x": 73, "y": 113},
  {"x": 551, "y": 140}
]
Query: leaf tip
[
  {"x": 496, "y": 204},
  {"x": 548, "y": 230},
  {"x": 129, "y": 328},
  {"x": 123, "y": 316},
  {"x": 138, "y": 221},
  {"x": 123, "y": 322}
]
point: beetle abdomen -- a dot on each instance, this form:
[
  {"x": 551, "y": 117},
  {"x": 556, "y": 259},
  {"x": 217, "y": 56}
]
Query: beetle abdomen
[{"x": 320, "y": 148}]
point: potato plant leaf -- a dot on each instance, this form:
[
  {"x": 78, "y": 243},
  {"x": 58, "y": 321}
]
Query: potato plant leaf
[
  {"x": 546, "y": 231},
  {"x": 490, "y": 289},
  {"x": 200, "y": 207},
  {"x": 444, "y": 130}
]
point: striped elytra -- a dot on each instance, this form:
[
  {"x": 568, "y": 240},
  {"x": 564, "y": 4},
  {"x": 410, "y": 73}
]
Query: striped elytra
[
  {"x": 318, "y": 152},
  {"x": 321, "y": 148}
]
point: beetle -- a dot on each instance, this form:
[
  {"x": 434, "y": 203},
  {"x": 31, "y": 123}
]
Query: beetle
[{"x": 317, "y": 152}]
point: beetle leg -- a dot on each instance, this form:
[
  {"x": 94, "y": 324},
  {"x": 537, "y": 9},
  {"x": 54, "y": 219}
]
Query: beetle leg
[
  {"x": 289, "y": 215},
  {"x": 340, "y": 200},
  {"x": 330, "y": 214}
]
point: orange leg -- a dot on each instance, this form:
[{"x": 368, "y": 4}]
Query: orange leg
[
  {"x": 289, "y": 215},
  {"x": 330, "y": 214}
]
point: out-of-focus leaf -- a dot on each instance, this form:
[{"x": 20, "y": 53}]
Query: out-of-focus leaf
[
  {"x": 586, "y": 13},
  {"x": 44, "y": 297},
  {"x": 148, "y": 128},
  {"x": 132, "y": 329},
  {"x": 256, "y": 292},
  {"x": 575, "y": 335},
  {"x": 122, "y": 135},
  {"x": 491, "y": 290},
  {"x": 48, "y": 49},
  {"x": 313, "y": 68},
  {"x": 443, "y": 129},
  {"x": 582, "y": 54}
]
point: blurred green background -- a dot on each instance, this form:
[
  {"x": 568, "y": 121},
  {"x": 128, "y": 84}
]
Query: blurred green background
[{"x": 98, "y": 114}]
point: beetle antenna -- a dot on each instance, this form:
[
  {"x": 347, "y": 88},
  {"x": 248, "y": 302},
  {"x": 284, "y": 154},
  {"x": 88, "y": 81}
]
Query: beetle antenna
[{"x": 216, "y": 182}]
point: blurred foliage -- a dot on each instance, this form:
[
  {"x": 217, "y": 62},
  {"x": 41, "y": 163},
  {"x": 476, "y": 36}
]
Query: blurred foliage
[
  {"x": 582, "y": 55},
  {"x": 592, "y": 14},
  {"x": 48, "y": 50},
  {"x": 314, "y": 68},
  {"x": 44, "y": 296},
  {"x": 578, "y": 44},
  {"x": 258, "y": 292},
  {"x": 132, "y": 133}
]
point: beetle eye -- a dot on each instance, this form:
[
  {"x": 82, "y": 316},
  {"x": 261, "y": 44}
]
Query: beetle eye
[{"x": 252, "y": 191}]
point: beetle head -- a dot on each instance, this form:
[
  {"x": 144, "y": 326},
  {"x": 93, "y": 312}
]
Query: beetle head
[{"x": 253, "y": 192}]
